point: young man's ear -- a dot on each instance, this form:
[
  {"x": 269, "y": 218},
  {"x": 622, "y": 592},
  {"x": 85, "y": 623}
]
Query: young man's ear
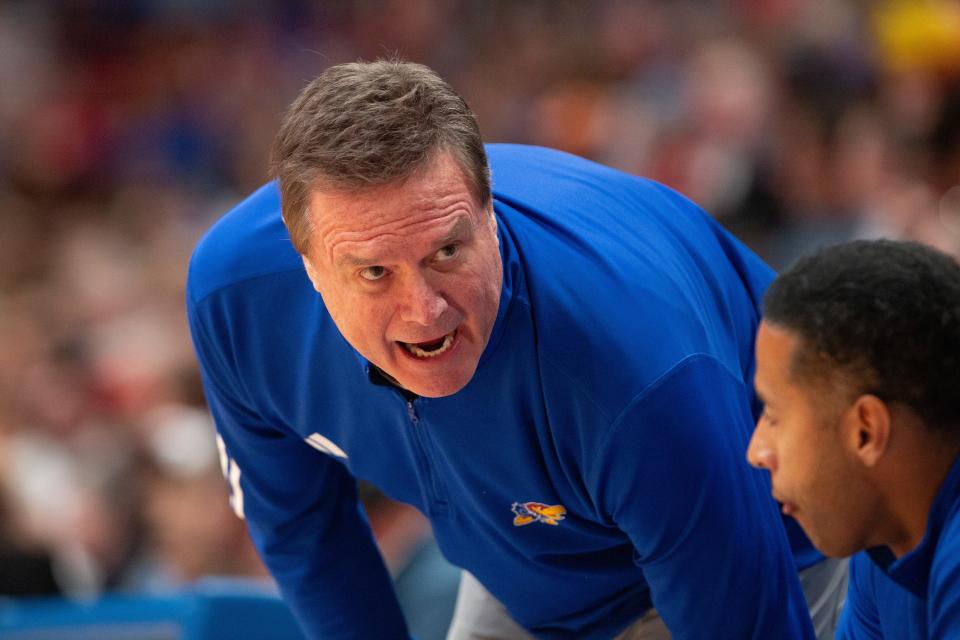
[
  {"x": 311, "y": 273},
  {"x": 866, "y": 427}
]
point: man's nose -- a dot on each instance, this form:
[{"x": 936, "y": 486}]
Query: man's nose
[
  {"x": 759, "y": 453},
  {"x": 422, "y": 303}
]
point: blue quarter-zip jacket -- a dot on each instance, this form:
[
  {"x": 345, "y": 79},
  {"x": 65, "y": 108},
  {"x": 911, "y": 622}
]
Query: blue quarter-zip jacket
[
  {"x": 592, "y": 468},
  {"x": 916, "y": 596}
]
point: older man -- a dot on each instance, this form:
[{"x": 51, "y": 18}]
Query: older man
[
  {"x": 556, "y": 373},
  {"x": 858, "y": 362}
]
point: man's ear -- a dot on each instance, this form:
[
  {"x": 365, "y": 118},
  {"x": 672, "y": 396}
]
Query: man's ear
[
  {"x": 866, "y": 429},
  {"x": 311, "y": 273}
]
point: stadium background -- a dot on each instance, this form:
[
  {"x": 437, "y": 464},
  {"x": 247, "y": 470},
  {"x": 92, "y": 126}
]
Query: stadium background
[{"x": 126, "y": 128}]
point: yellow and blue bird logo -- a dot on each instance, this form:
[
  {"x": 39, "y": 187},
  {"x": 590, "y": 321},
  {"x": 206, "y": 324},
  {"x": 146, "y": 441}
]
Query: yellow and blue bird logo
[{"x": 527, "y": 512}]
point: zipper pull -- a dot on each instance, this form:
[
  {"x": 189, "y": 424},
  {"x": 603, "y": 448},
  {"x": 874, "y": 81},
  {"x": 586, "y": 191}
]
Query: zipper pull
[{"x": 412, "y": 412}]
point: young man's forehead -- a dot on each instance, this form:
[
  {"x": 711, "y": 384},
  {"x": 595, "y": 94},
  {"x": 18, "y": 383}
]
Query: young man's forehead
[
  {"x": 776, "y": 351},
  {"x": 774, "y": 343}
]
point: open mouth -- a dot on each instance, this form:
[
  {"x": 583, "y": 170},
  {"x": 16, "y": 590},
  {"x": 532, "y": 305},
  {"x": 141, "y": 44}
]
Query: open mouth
[{"x": 431, "y": 348}]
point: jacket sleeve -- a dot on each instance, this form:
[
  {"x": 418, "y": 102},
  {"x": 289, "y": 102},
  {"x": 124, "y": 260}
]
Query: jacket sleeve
[
  {"x": 301, "y": 510},
  {"x": 672, "y": 474}
]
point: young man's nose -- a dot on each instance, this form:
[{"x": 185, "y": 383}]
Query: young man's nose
[
  {"x": 422, "y": 304},
  {"x": 759, "y": 453}
]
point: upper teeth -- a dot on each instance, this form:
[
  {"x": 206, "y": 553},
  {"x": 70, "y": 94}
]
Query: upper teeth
[{"x": 421, "y": 353}]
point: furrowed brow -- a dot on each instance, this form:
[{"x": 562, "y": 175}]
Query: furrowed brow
[
  {"x": 350, "y": 260},
  {"x": 460, "y": 229}
]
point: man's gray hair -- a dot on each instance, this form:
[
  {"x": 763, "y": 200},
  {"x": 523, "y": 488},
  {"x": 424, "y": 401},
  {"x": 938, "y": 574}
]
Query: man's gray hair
[{"x": 365, "y": 124}]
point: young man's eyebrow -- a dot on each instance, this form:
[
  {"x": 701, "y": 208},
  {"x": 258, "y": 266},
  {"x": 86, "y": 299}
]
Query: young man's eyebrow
[{"x": 760, "y": 396}]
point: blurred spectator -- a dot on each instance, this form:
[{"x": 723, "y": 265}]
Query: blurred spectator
[
  {"x": 190, "y": 531},
  {"x": 24, "y": 571}
]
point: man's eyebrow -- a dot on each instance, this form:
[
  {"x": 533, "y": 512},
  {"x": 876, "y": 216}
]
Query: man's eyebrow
[
  {"x": 459, "y": 229},
  {"x": 350, "y": 260},
  {"x": 760, "y": 396}
]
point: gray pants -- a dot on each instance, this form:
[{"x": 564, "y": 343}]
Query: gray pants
[{"x": 480, "y": 616}]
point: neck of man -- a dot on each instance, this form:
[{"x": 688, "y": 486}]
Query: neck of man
[
  {"x": 911, "y": 480},
  {"x": 381, "y": 377}
]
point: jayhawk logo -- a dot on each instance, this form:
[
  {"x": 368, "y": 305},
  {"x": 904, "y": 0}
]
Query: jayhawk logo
[{"x": 527, "y": 512}]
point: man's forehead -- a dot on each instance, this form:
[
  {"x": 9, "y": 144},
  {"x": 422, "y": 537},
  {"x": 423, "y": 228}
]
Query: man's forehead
[
  {"x": 774, "y": 339},
  {"x": 350, "y": 255},
  {"x": 389, "y": 205},
  {"x": 776, "y": 347},
  {"x": 783, "y": 365},
  {"x": 392, "y": 218},
  {"x": 438, "y": 176}
]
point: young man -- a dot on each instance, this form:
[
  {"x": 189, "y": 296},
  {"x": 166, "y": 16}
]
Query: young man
[
  {"x": 556, "y": 373},
  {"x": 858, "y": 364}
]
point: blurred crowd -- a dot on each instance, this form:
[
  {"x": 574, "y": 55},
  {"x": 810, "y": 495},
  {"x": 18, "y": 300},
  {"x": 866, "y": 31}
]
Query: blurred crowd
[{"x": 126, "y": 128}]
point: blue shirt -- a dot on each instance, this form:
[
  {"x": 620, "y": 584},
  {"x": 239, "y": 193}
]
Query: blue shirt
[
  {"x": 916, "y": 596},
  {"x": 594, "y": 465}
]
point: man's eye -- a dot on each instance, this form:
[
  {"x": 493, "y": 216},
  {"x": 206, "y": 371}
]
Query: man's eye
[
  {"x": 373, "y": 273},
  {"x": 448, "y": 252}
]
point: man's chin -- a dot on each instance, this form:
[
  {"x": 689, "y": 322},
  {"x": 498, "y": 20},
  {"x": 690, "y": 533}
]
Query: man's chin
[
  {"x": 832, "y": 547},
  {"x": 435, "y": 376},
  {"x": 434, "y": 388}
]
